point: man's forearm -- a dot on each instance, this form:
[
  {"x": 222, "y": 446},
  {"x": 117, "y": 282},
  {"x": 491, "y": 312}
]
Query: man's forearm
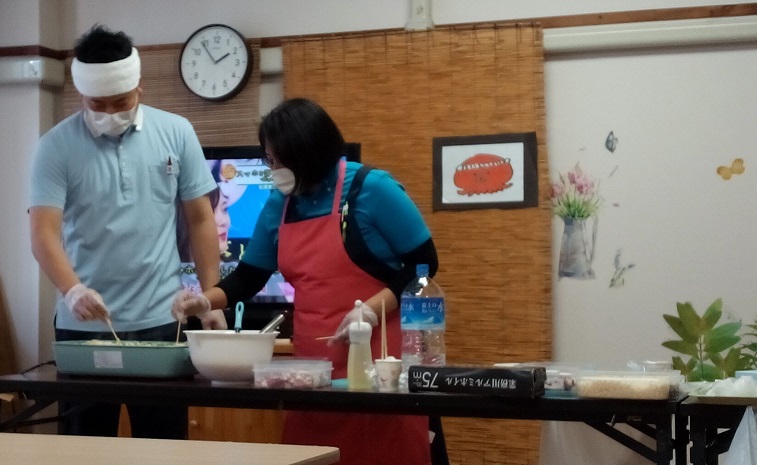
[
  {"x": 204, "y": 245},
  {"x": 54, "y": 262},
  {"x": 47, "y": 247}
]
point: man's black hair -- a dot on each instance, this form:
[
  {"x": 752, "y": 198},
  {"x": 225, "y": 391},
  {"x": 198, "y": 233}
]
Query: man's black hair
[{"x": 101, "y": 45}]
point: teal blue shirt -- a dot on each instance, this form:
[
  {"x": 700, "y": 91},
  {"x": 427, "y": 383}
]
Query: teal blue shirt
[
  {"x": 388, "y": 219},
  {"x": 119, "y": 203}
]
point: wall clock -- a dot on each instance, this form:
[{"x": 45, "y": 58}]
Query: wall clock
[{"x": 216, "y": 62}]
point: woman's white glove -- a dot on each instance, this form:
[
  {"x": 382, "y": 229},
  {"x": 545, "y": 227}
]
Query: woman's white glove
[
  {"x": 214, "y": 320},
  {"x": 187, "y": 303},
  {"x": 86, "y": 304},
  {"x": 353, "y": 316}
]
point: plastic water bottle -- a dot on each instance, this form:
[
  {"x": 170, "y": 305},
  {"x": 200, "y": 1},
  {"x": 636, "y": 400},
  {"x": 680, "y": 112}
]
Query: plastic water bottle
[{"x": 422, "y": 321}]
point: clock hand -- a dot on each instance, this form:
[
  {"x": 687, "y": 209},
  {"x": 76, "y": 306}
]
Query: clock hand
[
  {"x": 209, "y": 54},
  {"x": 227, "y": 54}
]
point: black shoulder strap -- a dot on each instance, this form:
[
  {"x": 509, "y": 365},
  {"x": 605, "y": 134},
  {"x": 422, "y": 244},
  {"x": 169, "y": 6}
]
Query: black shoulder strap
[
  {"x": 357, "y": 183},
  {"x": 354, "y": 243}
]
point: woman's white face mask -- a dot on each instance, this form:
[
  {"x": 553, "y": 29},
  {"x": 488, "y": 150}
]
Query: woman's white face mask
[
  {"x": 284, "y": 180},
  {"x": 112, "y": 124}
]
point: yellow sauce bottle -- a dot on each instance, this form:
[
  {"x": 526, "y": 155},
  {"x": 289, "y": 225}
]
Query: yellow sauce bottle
[{"x": 360, "y": 357}]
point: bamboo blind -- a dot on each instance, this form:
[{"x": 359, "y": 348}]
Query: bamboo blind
[
  {"x": 231, "y": 122},
  {"x": 394, "y": 92}
]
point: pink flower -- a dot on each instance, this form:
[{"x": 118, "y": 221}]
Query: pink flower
[
  {"x": 557, "y": 190},
  {"x": 575, "y": 194},
  {"x": 584, "y": 186},
  {"x": 572, "y": 176}
]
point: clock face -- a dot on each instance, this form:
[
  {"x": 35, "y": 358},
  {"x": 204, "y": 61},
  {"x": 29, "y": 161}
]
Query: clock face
[{"x": 215, "y": 62}]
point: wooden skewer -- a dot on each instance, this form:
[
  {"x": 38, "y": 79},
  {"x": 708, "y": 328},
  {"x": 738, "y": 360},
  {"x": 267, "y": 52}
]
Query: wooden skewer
[
  {"x": 383, "y": 329},
  {"x": 110, "y": 325}
]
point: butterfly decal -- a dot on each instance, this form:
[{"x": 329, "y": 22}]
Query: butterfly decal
[
  {"x": 611, "y": 142},
  {"x": 737, "y": 167}
]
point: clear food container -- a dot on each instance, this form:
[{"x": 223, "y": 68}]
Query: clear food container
[
  {"x": 623, "y": 385},
  {"x": 293, "y": 373},
  {"x": 560, "y": 380}
]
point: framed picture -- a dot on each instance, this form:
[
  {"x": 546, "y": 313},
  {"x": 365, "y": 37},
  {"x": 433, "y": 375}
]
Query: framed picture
[{"x": 487, "y": 171}]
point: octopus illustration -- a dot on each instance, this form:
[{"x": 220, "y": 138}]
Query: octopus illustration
[{"x": 483, "y": 173}]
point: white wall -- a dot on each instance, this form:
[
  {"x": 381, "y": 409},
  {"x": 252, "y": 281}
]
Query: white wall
[
  {"x": 19, "y": 23},
  {"x": 171, "y": 21},
  {"x": 19, "y": 130},
  {"x": 678, "y": 115}
]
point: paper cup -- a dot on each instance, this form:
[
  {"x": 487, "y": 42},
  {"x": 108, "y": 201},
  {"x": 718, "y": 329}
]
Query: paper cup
[{"x": 388, "y": 374}]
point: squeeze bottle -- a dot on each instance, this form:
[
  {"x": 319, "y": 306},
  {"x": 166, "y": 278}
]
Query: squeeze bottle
[{"x": 359, "y": 357}]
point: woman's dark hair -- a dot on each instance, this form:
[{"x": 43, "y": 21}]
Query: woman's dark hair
[
  {"x": 303, "y": 138},
  {"x": 101, "y": 45}
]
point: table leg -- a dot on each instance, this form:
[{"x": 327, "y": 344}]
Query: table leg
[
  {"x": 664, "y": 442},
  {"x": 22, "y": 417},
  {"x": 698, "y": 435},
  {"x": 681, "y": 441}
]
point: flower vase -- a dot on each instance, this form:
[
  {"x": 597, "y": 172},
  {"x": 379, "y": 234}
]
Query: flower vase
[{"x": 577, "y": 248}]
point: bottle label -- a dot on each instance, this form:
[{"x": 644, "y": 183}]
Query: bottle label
[{"x": 425, "y": 313}]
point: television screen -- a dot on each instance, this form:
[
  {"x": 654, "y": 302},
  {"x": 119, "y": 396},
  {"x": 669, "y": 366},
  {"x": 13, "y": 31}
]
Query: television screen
[{"x": 244, "y": 184}]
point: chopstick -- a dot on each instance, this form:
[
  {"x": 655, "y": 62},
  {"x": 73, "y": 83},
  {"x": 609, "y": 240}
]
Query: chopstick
[
  {"x": 178, "y": 331},
  {"x": 110, "y": 325},
  {"x": 323, "y": 338},
  {"x": 383, "y": 330}
]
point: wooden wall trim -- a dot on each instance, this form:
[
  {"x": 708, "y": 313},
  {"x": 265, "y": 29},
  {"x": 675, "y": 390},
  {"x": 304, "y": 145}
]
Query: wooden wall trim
[
  {"x": 549, "y": 22},
  {"x": 33, "y": 50}
]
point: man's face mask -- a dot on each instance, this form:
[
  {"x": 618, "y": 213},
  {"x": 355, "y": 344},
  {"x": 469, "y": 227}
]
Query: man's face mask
[
  {"x": 284, "y": 180},
  {"x": 112, "y": 124}
]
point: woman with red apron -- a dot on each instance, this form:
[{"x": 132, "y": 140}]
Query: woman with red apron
[
  {"x": 327, "y": 283},
  {"x": 332, "y": 259}
]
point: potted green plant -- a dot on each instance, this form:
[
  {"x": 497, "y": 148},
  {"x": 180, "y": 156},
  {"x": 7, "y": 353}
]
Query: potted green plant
[{"x": 712, "y": 349}]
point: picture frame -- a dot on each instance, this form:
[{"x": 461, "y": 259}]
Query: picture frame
[{"x": 485, "y": 171}]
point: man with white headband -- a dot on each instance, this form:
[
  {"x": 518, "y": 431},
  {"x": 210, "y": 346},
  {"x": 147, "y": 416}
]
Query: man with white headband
[{"x": 105, "y": 187}]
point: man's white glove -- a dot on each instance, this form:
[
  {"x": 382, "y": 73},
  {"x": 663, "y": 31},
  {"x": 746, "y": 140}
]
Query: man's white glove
[
  {"x": 86, "y": 304},
  {"x": 353, "y": 316},
  {"x": 187, "y": 303}
]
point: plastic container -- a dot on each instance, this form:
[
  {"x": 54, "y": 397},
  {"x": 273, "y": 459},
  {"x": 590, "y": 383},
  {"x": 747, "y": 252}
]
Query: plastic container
[
  {"x": 746, "y": 374},
  {"x": 561, "y": 379},
  {"x": 623, "y": 385},
  {"x": 152, "y": 359},
  {"x": 293, "y": 374},
  {"x": 423, "y": 321}
]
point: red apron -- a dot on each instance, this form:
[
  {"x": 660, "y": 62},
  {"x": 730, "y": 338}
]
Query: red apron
[{"x": 327, "y": 283}]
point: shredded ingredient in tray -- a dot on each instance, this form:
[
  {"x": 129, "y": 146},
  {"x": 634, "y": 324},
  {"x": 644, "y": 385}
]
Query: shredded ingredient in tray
[
  {"x": 122, "y": 343},
  {"x": 623, "y": 387}
]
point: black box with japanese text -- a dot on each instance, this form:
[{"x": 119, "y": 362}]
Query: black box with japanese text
[{"x": 510, "y": 382}]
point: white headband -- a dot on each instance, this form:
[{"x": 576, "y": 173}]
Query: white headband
[{"x": 106, "y": 79}]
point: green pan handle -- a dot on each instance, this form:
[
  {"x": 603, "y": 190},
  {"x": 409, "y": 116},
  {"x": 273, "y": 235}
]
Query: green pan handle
[{"x": 238, "y": 316}]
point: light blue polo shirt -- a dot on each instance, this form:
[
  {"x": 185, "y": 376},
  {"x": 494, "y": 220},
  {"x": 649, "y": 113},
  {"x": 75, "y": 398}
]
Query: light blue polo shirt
[{"x": 119, "y": 201}]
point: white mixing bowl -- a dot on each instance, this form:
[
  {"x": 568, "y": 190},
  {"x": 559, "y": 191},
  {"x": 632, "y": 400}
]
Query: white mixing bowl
[{"x": 225, "y": 355}]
